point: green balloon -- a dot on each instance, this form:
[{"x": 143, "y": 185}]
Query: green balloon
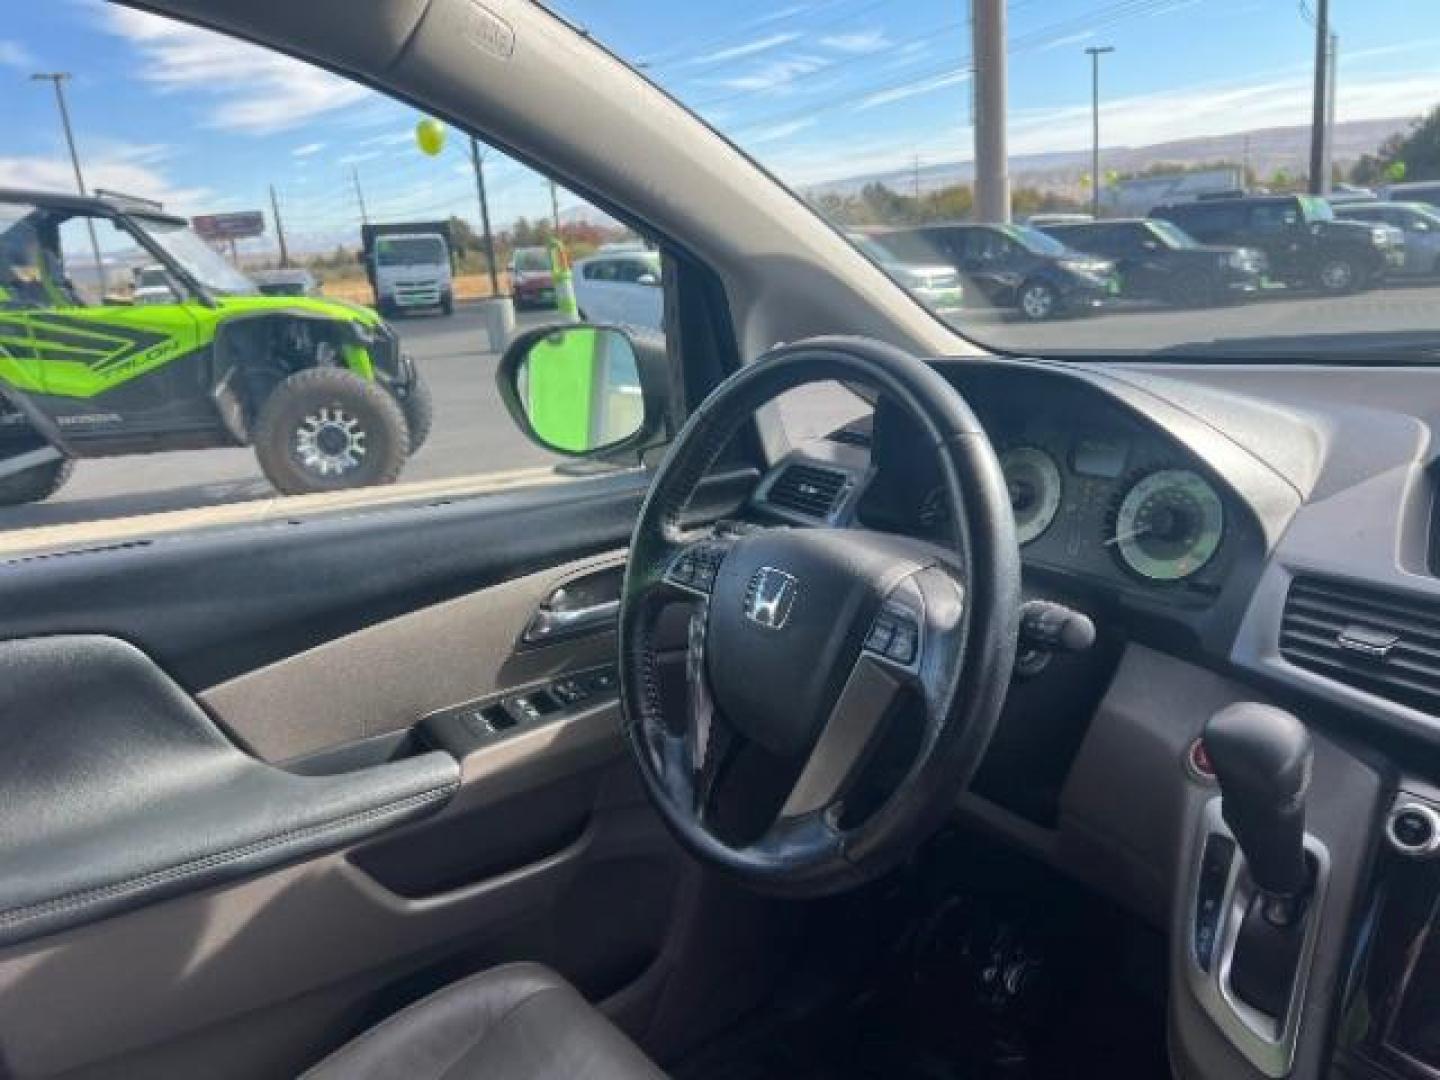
[{"x": 430, "y": 136}]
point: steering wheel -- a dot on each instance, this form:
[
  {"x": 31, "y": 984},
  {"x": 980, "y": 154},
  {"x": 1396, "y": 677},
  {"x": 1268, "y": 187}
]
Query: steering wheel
[{"x": 840, "y": 685}]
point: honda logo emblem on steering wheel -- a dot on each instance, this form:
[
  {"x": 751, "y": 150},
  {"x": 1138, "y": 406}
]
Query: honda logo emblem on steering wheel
[{"x": 769, "y": 597}]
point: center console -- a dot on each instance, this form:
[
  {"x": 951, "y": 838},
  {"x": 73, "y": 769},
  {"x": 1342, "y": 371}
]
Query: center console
[{"x": 1390, "y": 1027}]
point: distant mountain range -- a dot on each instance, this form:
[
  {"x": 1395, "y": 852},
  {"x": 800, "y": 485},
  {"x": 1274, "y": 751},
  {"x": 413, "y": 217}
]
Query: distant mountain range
[{"x": 1266, "y": 150}]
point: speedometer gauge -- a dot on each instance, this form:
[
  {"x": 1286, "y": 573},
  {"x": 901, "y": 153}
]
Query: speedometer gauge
[
  {"x": 1168, "y": 525},
  {"x": 1033, "y": 479}
]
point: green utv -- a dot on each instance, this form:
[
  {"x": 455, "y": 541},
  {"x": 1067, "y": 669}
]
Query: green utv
[{"x": 96, "y": 361}]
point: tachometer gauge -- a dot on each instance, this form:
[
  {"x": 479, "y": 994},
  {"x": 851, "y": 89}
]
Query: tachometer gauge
[
  {"x": 1168, "y": 525},
  {"x": 1035, "y": 489}
]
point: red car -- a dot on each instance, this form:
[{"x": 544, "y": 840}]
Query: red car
[{"x": 531, "y": 282}]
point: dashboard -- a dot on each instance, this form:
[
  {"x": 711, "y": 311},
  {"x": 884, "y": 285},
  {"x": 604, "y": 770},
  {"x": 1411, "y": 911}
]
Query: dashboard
[
  {"x": 1106, "y": 502},
  {"x": 1237, "y": 534}
]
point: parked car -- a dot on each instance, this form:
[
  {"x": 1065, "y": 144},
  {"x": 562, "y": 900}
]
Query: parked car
[
  {"x": 1011, "y": 266},
  {"x": 1425, "y": 191},
  {"x": 936, "y": 285},
  {"x": 153, "y": 286},
  {"x": 1158, "y": 260},
  {"x": 531, "y": 282},
  {"x": 1303, "y": 241},
  {"x": 1419, "y": 222},
  {"x": 286, "y": 281},
  {"x": 621, "y": 288}
]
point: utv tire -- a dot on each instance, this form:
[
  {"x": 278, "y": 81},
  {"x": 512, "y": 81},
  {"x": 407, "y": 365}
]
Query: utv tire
[
  {"x": 447, "y": 305},
  {"x": 35, "y": 485},
  {"x": 419, "y": 408},
  {"x": 327, "y": 429}
]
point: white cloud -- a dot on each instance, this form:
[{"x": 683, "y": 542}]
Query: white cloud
[
  {"x": 1068, "y": 39},
  {"x": 307, "y": 150},
  {"x": 858, "y": 42},
  {"x": 357, "y": 158},
  {"x": 914, "y": 89},
  {"x": 749, "y": 48},
  {"x": 1276, "y": 100},
  {"x": 775, "y": 75},
  {"x": 13, "y": 54},
  {"x": 776, "y": 132},
  {"x": 256, "y": 90},
  {"x": 113, "y": 168}
]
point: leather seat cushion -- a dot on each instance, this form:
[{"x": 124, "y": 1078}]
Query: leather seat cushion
[{"x": 517, "y": 1022}]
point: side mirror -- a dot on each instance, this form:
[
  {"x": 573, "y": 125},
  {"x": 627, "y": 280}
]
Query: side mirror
[{"x": 586, "y": 391}]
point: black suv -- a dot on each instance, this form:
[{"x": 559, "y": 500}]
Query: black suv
[
  {"x": 1011, "y": 266},
  {"x": 1302, "y": 239},
  {"x": 1158, "y": 260}
]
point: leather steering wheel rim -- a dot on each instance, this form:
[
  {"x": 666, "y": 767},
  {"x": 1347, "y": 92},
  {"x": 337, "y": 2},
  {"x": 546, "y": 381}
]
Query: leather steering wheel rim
[{"x": 965, "y": 597}]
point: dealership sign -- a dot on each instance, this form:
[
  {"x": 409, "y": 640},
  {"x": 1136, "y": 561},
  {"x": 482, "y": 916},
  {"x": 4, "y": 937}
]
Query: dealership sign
[{"x": 237, "y": 226}]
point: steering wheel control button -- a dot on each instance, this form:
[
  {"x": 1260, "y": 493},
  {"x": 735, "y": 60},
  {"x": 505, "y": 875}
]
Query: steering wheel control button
[
  {"x": 695, "y": 567},
  {"x": 895, "y": 635},
  {"x": 1210, "y": 899},
  {"x": 1414, "y": 829}
]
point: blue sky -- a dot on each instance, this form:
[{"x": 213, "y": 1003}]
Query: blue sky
[{"x": 818, "y": 89}]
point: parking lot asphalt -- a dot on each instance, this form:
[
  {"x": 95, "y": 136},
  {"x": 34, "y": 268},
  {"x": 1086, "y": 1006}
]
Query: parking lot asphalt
[{"x": 473, "y": 435}]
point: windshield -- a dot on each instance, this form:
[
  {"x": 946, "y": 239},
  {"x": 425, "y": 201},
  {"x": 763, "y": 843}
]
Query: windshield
[
  {"x": 1197, "y": 111},
  {"x": 409, "y": 251},
  {"x": 531, "y": 261},
  {"x": 1172, "y": 235},
  {"x": 1036, "y": 241},
  {"x": 198, "y": 259}
]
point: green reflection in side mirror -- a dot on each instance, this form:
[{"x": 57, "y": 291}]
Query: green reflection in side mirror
[{"x": 580, "y": 389}]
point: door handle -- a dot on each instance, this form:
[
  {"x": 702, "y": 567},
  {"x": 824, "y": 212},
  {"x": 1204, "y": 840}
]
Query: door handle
[{"x": 550, "y": 623}]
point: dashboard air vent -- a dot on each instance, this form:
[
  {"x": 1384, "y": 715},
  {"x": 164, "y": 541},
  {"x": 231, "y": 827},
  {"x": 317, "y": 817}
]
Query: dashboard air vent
[
  {"x": 1384, "y": 643},
  {"x": 810, "y": 490}
]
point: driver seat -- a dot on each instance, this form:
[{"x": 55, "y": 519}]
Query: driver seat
[{"x": 517, "y": 1022}]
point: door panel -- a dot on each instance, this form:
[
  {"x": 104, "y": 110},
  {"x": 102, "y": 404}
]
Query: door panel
[
  {"x": 211, "y": 605},
  {"x": 318, "y": 647},
  {"x": 385, "y": 677}
]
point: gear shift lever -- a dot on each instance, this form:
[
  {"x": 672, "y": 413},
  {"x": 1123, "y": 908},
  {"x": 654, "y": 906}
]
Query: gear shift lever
[{"x": 1262, "y": 758}]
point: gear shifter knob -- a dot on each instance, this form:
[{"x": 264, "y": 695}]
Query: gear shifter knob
[{"x": 1262, "y": 758}]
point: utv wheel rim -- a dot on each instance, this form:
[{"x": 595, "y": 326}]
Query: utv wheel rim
[
  {"x": 330, "y": 442},
  {"x": 1037, "y": 302},
  {"x": 1336, "y": 275}
]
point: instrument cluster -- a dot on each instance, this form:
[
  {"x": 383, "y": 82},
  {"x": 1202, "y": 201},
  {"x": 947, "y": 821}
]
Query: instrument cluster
[{"x": 1102, "y": 501}]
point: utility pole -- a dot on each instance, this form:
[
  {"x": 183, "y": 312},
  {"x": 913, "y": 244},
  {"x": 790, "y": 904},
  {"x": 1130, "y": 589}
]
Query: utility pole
[
  {"x": 360, "y": 195},
  {"x": 555, "y": 209},
  {"x": 1095, "y": 52},
  {"x": 1334, "y": 62},
  {"x": 57, "y": 79},
  {"x": 477, "y": 160},
  {"x": 1319, "y": 157},
  {"x": 279, "y": 228},
  {"x": 992, "y": 176}
]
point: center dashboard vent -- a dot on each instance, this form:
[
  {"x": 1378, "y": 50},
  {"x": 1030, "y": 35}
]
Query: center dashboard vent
[
  {"x": 1385, "y": 643},
  {"x": 810, "y": 490}
]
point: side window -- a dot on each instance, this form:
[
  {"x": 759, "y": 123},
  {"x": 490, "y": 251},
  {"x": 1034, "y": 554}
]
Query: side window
[
  {"x": 80, "y": 260},
  {"x": 362, "y": 205},
  {"x": 1274, "y": 217}
]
